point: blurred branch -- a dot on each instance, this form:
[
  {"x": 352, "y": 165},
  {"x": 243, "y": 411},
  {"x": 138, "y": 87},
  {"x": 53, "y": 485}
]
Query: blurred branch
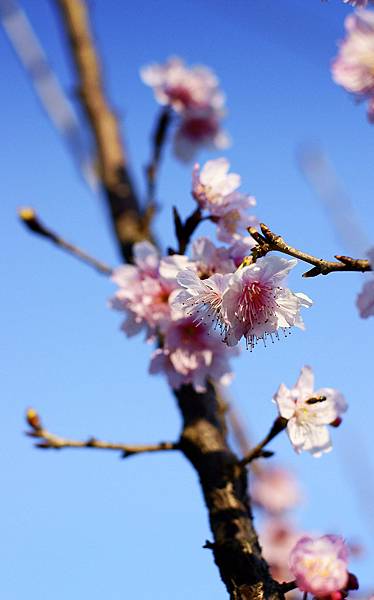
[
  {"x": 130, "y": 223},
  {"x": 51, "y": 440},
  {"x": 31, "y": 220},
  {"x": 158, "y": 141},
  {"x": 269, "y": 241},
  {"x": 46, "y": 85}
]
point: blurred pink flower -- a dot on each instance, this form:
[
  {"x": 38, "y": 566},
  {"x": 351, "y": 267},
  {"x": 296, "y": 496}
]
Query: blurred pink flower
[
  {"x": 183, "y": 87},
  {"x": 275, "y": 490},
  {"x": 365, "y": 299},
  {"x": 319, "y": 565},
  {"x": 199, "y": 128},
  {"x": 308, "y": 412},
  {"x": 357, "y": 3},
  {"x": 277, "y": 539},
  {"x": 353, "y": 68},
  {"x": 190, "y": 355}
]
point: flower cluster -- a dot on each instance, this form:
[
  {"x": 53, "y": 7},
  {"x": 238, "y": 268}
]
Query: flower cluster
[
  {"x": 194, "y": 94},
  {"x": 308, "y": 413},
  {"x": 354, "y": 66},
  {"x": 365, "y": 299}
]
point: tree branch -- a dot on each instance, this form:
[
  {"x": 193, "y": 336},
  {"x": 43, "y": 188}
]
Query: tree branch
[
  {"x": 129, "y": 223},
  {"x": 158, "y": 141},
  {"x": 269, "y": 241},
  {"x": 29, "y": 218},
  {"x": 51, "y": 440},
  {"x": 258, "y": 451}
]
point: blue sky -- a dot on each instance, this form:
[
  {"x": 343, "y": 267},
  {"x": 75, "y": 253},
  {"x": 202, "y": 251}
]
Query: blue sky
[{"x": 85, "y": 524}]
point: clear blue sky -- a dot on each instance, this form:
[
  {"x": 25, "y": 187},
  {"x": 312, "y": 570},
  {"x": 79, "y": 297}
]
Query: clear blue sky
[{"x": 86, "y": 525}]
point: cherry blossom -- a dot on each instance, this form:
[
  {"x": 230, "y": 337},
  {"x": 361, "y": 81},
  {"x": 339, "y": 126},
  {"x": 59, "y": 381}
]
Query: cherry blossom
[
  {"x": 199, "y": 128},
  {"x": 143, "y": 292},
  {"x": 354, "y": 66},
  {"x": 365, "y": 299},
  {"x": 191, "y": 355},
  {"x": 256, "y": 305},
  {"x": 357, "y": 3},
  {"x": 183, "y": 87},
  {"x": 215, "y": 190},
  {"x": 308, "y": 412},
  {"x": 319, "y": 565},
  {"x": 275, "y": 490},
  {"x": 277, "y": 538}
]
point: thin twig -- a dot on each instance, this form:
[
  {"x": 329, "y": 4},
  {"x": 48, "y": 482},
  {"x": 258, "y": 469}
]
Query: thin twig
[
  {"x": 258, "y": 451},
  {"x": 269, "y": 241},
  {"x": 29, "y": 217},
  {"x": 288, "y": 586},
  {"x": 158, "y": 141},
  {"x": 56, "y": 442}
]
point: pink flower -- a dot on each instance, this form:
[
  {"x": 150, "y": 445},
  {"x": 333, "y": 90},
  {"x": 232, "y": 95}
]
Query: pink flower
[
  {"x": 190, "y": 355},
  {"x": 277, "y": 539},
  {"x": 357, "y": 3},
  {"x": 275, "y": 490},
  {"x": 143, "y": 292},
  {"x": 256, "y": 305},
  {"x": 365, "y": 299},
  {"x": 183, "y": 87},
  {"x": 319, "y": 565},
  {"x": 354, "y": 66},
  {"x": 308, "y": 412},
  {"x": 215, "y": 190},
  {"x": 208, "y": 259},
  {"x": 199, "y": 128}
]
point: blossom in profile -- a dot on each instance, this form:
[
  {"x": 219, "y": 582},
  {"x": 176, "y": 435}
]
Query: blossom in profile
[
  {"x": 199, "y": 128},
  {"x": 319, "y": 565},
  {"x": 353, "y": 68},
  {"x": 365, "y": 299},
  {"x": 216, "y": 191},
  {"x": 275, "y": 490},
  {"x": 183, "y": 87},
  {"x": 257, "y": 305},
  {"x": 308, "y": 412},
  {"x": 192, "y": 355},
  {"x": 277, "y": 538}
]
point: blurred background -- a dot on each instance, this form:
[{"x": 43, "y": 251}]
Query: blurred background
[{"x": 84, "y": 524}]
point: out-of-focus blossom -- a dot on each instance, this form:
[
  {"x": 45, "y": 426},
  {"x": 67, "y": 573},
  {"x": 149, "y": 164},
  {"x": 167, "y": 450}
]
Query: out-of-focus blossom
[
  {"x": 143, "y": 293},
  {"x": 353, "y": 68},
  {"x": 191, "y": 355},
  {"x": 319, "y": 565},
  {"x": 365, "y": 299},
  {"x": 199, "y": 128},
  {"x": 357, "y": 3},
  {"x": 277, "y": 539},
  {"x": 183, "y": 87},
  {"x": 255, "y": 303},
  {"x": 275, "y": 490},
  {"x": 215, "y": 190},
  {"x": 194, "y": 93},
  {"x": 308, "y": 412}
]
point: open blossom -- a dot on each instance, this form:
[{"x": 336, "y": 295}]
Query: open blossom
[
  {"x": 183, "y": 87},
  {"x": 275, "y": 490},
  {"x": 277, "y": 538},
  {"x": 365, "y": 299},
  {"x": 354, "y": 66},
  {"x": 190, "y": 355},
  {"x": 308, "y": 413},
  {"x": 143, "y": 292},
  {"x": 215, "y": 190},
  {"x": 250, "y": 303},
  {"x": 255, "y": 303},
  {"x": 319, "y": 565}
]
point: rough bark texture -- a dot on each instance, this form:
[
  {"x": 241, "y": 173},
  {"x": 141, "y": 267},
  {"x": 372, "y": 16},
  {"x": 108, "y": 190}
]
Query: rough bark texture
[
  {"x": 236, "y": 549},
  {"x": 203, "y": 439}
]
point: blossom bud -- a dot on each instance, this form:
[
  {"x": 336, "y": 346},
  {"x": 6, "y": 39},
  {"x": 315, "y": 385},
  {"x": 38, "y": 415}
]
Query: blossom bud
[{"x": 33, "y": 419}]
